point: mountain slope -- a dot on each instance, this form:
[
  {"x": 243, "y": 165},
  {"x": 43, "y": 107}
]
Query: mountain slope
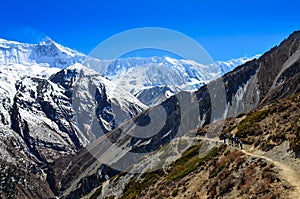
[
  {"x": 45, "y": 103},
  {"x": 266, "y": 168},
  {"x": 246, "y": 88},
  {"x": 40, "y": 121},
  {"x": 96, "y": 100}
]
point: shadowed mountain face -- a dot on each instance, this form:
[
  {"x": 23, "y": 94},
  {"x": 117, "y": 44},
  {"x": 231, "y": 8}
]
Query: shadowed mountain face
[
  {"x": 39, "y": 122},
  {"x": 274, "y": 75}
]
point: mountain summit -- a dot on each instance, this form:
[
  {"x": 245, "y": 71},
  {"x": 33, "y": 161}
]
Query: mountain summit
[{"x": 47, "y": 52}]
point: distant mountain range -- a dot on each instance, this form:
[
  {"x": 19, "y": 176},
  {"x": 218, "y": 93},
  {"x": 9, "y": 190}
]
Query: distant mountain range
[{"x": 159, "y": 77}]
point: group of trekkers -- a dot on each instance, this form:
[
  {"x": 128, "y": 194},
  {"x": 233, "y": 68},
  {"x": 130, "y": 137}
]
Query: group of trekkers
[{"x": 234, "y": 140}]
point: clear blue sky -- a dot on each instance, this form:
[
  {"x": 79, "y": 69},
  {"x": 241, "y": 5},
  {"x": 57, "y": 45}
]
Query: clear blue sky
[{"x": 226, "y": 29}]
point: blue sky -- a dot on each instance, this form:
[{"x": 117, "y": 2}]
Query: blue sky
[{"x": 226, "y": 29}]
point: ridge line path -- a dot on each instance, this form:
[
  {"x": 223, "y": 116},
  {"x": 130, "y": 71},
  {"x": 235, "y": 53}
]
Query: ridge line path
[{"x": 285, "y": 172}]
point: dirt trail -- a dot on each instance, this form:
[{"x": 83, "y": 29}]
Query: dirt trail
[
  {"x": 291, "y": 175},
  {"x": 287, "y": 173}
]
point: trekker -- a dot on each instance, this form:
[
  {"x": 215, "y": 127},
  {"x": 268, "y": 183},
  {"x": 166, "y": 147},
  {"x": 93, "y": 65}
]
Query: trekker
[
  {"x": 236, "y": 141},
  {"x": 241, "y": 144},
  {"x": 229, "y": 137},
  {"x": 232, "y": 139},
  {"x": 224, "y": 139}
]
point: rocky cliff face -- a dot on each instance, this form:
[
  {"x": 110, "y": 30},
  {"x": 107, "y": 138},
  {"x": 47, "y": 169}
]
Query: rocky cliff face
[
  {"x": 240, "y": 91},
  {"x": 254, "y": 82},
  {"x": 40, "y": 123}
]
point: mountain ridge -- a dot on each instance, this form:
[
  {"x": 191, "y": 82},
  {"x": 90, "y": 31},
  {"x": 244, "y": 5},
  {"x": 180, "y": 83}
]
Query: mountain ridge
[
  {"x": 135, "y": 75},
  {"x": 245, "y": 87}
]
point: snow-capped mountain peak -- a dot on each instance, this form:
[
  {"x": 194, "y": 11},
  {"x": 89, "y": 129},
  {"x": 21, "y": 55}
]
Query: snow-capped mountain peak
[
  {"x": 227, "y": 66},
  {"x": 50, "y": 43},
  {"x": 47, "y": 53},
  {"x": 81, "y": 74},
  {"x": 153, "y": 76}
]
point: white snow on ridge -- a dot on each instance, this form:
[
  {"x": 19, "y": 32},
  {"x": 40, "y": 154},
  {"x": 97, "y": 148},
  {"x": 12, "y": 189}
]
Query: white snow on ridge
[
  {"x": 68, "y": 51},
  {"x": 170, "y": 60},
  {"x": 136, "y": 74},
  {"x": 227, "y": 66},
  {"x": 113, "y": 91},
  {"x": 132, "y": 74},
  {"x": 47, "y": 53},
  {"x": 34, "y": 70}
]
